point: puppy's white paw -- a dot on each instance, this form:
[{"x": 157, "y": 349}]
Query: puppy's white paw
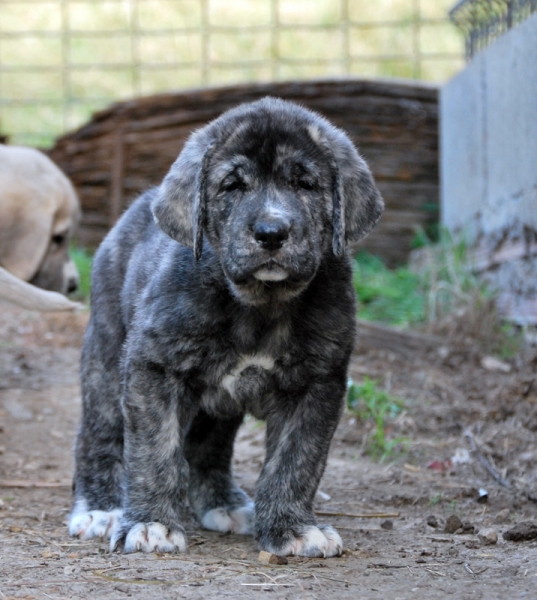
[
  {"x": 94, "y": 523},
  {"x": 240, "y": 520},
  {"x": 153, "y": 537},
  {"x": 315, "y": 542}
]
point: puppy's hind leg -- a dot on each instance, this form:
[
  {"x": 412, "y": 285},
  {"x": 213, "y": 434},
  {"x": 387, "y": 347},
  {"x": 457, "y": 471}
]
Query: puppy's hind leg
[
  {"x": 99, "y": 445},
  {"x": 218, "y": 502}
]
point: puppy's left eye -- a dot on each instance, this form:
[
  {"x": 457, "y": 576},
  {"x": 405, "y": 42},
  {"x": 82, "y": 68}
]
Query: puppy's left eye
[
  {"x": 58, "y": 239},
  {"x": 304, "y": 184}
]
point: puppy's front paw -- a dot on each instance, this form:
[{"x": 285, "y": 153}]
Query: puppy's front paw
[
  {"x": 86, "y": 524},
  {"x": 322, "y": 541},
  {"x": 240, "y": 520},
  {"x": 151, "y": 537}
]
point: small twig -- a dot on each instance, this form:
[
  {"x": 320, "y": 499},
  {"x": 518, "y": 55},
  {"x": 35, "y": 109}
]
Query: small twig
[
  {"x": 435, "y": 572},
  {"x": 74, "y": 544},
  {"x": 346, "y": 581},
  {"x": 21, "y": 483},
  {"x": 268, "y": 584},
  {"x": 359, "y": 515},
  {"x": 385, "y": 566},
  {"x": 485, "y": 462},
  {"x": 272, "y": 580},
  {"x": 41, "y": 582},
  {"x": 17, "y": 515},
  {"x": 467, "y": 567}
]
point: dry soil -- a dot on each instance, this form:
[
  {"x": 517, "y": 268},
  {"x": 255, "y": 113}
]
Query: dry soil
[{"x": 405, "y": 553}]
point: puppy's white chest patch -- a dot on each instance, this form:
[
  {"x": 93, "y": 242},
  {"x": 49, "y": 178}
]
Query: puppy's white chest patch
[{"x": 229, "y": 382}]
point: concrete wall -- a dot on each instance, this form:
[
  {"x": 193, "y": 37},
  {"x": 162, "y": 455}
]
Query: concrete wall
[
  {"x": 488, "y": 166},
  {"x": 488, "y": 139}
]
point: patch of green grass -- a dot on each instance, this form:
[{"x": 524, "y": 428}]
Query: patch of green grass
[
  {"x": 369, "y": 403},
  {"x": 442, "y": 290},
  {"x": 435, "y": 500},
  {"x": 512, "y": 340},
  {"x": 391, "y": 296},
  {"x": 83, "y": 260},
  {"x": 448, "y": 278}
]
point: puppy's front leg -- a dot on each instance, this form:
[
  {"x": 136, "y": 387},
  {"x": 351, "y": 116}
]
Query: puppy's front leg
[
  {"x": 298, "y": 439},
  {"x": 156, "y": 471}
]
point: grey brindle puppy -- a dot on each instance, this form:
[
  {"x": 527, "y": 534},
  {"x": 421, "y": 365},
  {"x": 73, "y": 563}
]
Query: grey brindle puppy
[{"x": 225, "y": 291}]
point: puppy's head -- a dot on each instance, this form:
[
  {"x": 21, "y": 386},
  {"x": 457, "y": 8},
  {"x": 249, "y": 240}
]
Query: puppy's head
[{"x": 273, "y": 187}]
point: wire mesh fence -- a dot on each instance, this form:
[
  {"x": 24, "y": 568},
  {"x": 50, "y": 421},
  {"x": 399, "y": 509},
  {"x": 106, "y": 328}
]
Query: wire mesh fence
[
  {"x": 60, "y": 60},
  {"x": 483, "y": 21}
]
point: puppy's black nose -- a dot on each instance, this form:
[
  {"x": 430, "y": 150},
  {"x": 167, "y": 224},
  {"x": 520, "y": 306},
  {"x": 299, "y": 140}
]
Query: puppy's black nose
[{"x": 271, "y": 233}]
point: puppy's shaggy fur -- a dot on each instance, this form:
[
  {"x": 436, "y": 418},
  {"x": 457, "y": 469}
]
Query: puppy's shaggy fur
[
  {"x": 38, "y": 212},
  {"x": 225, "y": 291}
]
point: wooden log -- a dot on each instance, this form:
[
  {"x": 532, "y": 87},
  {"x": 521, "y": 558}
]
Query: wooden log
[
  {"x": 117, "y": 176},
  {"x": 399, "y": 341},
  {"x": 393, "y": 124}
]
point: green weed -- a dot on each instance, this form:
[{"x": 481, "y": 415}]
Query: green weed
[
  {"x": 435, "y": 500},
  {"x": 369, "y": 403},
  {"x": 440, "y": 290},
  {"x": 83, "y": 260},
  {"x": 390, "y": 296},
  {"x": 459, "y": 303}
]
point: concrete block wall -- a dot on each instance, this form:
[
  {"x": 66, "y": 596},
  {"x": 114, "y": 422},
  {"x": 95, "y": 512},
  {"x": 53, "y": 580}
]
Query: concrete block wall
[
  {"x": 488, "y": 138},
  {"x": 488, "y": 166}
]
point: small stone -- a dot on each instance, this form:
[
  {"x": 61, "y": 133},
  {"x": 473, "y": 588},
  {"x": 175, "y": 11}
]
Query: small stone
[
  {"x": 502, "y": 516},
  {"x": 267, "y": 558},
  {"x": 488, "y": 536},
  {"x": 452, "y": 524},
  {"x": 467, "y": 527},
  {"x": 494, "y": 364},
  {"x": 482, "y": 496},
  {"x": 387, "y": 524},
  {"x": 432, "y": 521},
  {"x": 522, "y": 532}
]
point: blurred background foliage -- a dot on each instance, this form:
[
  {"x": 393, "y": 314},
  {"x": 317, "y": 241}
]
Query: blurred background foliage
[{"x": 61, "y": 60}]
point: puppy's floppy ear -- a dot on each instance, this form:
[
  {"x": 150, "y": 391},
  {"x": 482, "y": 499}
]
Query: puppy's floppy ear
[
  {"x": 357, "y": 203},
  {"x": 180, "y": 205}
]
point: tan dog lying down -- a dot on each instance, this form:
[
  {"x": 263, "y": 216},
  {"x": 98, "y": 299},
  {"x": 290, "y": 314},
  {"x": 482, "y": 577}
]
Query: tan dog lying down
[{"x": 38, "y": 212}]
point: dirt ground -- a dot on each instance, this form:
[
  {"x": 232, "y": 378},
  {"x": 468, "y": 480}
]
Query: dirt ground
[{"x": 404, "y": 553}]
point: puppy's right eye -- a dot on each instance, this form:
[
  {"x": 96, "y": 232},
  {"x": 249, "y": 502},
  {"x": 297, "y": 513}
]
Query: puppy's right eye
[{"x": 233, "y": 185}]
